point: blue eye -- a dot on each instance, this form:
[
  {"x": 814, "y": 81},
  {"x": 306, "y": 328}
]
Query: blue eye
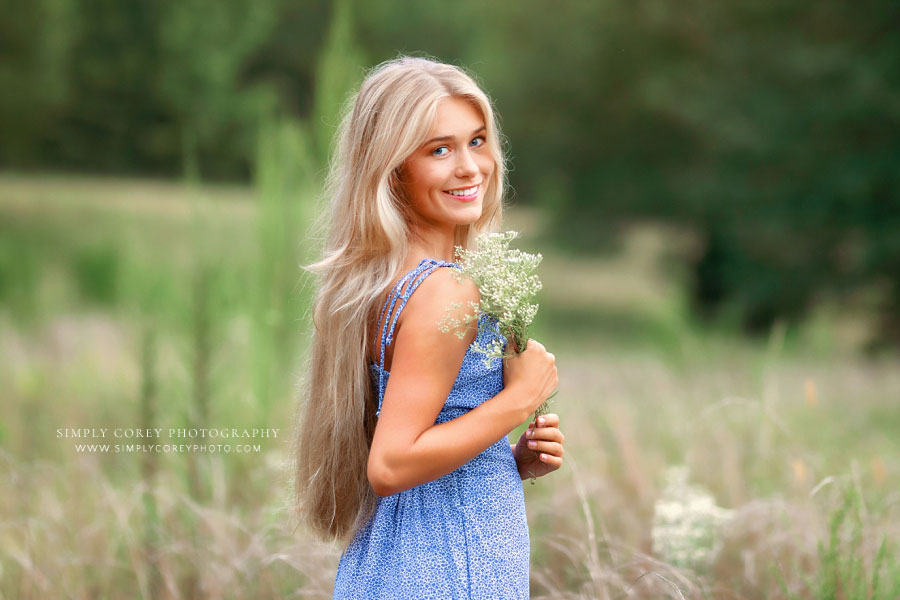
[
  {"x": 436, "y": 151},
  {"x": 480, "y": 137}
]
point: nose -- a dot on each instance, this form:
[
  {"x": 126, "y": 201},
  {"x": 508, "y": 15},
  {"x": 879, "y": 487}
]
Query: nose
[{"x": 466, "y": 165}]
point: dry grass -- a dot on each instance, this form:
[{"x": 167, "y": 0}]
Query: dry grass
[{"x": 75, "y": 526}]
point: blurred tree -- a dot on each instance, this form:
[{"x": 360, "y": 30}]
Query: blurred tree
[
  {"x": 33, "y": 73},
  {"x": 769, "y": 127},
  {"x": 112, "y": 113},
  {"x": 203, "y": 47}
]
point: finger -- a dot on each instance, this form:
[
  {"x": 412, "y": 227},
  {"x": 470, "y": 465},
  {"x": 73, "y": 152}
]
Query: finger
[
  {"x": 553, "y": 461},
  {"x": 548, "y": 420},
  {"x": 552, "y": 448},
  {"x": 551, "y": 434}
]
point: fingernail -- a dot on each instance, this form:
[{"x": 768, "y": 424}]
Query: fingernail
[
  {"x": 541, "y": 421},
  {"x": 532, "y": 444}
]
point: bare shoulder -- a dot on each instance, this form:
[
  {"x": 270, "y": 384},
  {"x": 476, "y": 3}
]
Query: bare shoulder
[
  {"x": 440, "y": 289},
  {"x": 429, "y": 304}
]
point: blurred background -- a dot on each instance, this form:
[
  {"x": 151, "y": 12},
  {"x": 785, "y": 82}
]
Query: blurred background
[{"x": 716, "y": 193}]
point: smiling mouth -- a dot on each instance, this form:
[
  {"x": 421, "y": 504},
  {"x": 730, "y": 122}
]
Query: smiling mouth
[{"x": 464, "y": 193}]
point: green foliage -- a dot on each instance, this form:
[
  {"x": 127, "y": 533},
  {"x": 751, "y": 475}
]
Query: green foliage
[
  {"x": 339, "y": 70},
  {"x": 19, "y": 270},
  {"x": 96, "y": 272},
  {"x": 290, "y": 165},
  {"x": 285, "y": 175}
]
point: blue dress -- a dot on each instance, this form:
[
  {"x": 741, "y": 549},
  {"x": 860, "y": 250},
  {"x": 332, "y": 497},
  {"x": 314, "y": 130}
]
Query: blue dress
[{"x": 464, "y": 535}]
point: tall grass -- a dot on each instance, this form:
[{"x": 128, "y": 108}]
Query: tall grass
[
  {"x": 286, "y": 179},
  {"x": 149, "y": 465},
  {"x": 853, "y": 563},
  {"x": 776, "y": 432}
]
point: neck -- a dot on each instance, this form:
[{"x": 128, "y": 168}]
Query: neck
[{"x": 433, "y": 243}]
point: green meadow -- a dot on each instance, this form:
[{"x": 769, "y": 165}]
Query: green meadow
[{"x": 137, "y": 304}]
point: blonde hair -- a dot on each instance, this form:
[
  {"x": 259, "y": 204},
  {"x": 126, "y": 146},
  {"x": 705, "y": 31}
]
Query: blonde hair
[{"x": 366, "y": 247}]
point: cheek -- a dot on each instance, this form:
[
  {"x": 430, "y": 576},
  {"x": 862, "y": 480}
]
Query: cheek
[
  {"x": 424, "y": 177},
  {"x": 486, "y": 164},
  {"x": 417, "y": 181},
  {"x": 422, "y": 188}
]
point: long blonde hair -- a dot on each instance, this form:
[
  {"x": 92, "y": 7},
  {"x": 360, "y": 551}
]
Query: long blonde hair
[{"x": 365, "y": 250}]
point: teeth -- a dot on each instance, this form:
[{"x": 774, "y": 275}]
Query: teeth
[{"x": 467, "y": 192}]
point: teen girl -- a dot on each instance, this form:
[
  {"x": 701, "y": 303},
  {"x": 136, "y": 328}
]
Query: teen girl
[{"x": 402, "y": 449}]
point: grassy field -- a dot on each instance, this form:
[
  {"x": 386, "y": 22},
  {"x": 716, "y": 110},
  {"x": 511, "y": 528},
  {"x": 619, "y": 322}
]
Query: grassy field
[{"x": 138, "y": 304}]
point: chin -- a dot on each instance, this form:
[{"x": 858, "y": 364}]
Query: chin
[{"x": 468, "y": 217}]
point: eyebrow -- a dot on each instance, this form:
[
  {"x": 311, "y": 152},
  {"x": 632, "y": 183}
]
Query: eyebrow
[{"x": 444, "y": 138}]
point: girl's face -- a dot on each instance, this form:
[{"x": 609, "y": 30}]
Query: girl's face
[{"x": 445, "y": 178}]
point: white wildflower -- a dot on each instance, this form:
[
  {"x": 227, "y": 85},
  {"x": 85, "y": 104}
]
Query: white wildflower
[{"x": 686, "y": 522}]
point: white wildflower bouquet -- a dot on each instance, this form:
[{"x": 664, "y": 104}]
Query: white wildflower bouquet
[{"x": 505, "y": 277}]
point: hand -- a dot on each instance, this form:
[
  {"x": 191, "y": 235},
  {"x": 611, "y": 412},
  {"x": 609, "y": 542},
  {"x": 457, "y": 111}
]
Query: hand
[
  {"x": 546, "y": 455},
  {"x": 532, "y": 374}
]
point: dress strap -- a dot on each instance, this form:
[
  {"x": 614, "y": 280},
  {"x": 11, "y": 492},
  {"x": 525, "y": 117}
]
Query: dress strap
[{"x": 402, "y": 292}]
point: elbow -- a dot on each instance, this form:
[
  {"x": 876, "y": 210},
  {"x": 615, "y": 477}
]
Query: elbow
[{"x": 380, "y": 477}]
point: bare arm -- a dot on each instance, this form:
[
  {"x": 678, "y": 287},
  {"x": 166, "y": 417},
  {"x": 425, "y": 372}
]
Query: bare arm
[{"x": 408, "y": 449}]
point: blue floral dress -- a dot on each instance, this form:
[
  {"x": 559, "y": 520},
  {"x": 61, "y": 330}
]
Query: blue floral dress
[{"x": 464, "y": 535}]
